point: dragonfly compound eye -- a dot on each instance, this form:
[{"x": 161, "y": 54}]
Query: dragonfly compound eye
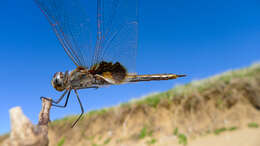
[{"x": 58, "y": 81}]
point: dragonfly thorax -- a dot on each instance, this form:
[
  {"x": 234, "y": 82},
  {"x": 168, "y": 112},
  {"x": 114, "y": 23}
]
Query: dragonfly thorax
[{"x": 59, "y": 81}]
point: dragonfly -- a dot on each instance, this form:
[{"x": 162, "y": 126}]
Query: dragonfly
[{"x": 112, "y": 58}]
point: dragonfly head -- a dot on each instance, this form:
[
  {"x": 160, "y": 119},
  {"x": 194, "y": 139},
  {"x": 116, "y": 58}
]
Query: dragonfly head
[{"x": 58, "y": 81}]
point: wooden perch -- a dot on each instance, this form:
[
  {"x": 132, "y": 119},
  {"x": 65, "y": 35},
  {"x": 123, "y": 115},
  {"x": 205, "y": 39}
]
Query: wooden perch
[{"x": 24, "y": 133}]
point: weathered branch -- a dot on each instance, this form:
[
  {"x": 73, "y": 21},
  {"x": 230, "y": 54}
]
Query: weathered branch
[
  {"x": 44, "y": 116},
  {"x": 24, "y": 133}
]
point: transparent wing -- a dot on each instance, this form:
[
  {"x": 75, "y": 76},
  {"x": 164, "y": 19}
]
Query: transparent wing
[
  {"x": 71, "y": 24},
  {"x": 117, "y": 28},
  {"x": 117, "y": 32}
]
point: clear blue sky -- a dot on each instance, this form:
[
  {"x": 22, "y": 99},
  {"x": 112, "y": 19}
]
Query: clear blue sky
[{"x": 199, "y": 38}]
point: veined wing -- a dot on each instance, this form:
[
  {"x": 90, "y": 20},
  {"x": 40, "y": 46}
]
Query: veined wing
[
  {"x": 117, "y": 32},
  {"x": 69, "y": 21},
  {"x": 117, "y": 28}
]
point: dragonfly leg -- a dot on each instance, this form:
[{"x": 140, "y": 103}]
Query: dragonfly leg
[
  {"x": 62, "y": 96},
  {"x": 59, "y": 100},
  {"x": 45, "y": 98},
  {"x": 82, "y": 109}
]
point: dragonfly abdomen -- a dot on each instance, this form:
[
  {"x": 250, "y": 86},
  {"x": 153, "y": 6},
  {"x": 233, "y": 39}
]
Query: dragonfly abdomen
[{"x": 153, "y": 77}]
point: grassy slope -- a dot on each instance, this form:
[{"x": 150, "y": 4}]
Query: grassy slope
[{"x": 197, "y": 108}]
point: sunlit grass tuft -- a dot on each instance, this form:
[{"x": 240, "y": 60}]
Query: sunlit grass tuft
[
  {"x": 61, "y": 142},
  {"x": 152, "y": 141},
  {"x": 253, "y": 125},
  {"x": 107, "y": 141}
]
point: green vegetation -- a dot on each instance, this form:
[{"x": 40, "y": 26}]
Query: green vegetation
[
  {"x": 119, "y": 140},
  {"x": 100, "y": 137},
  {"x": 150, "y": 133},
  {"x": 72, "y": 118},
  {"x": 61, "y": 142},
  {"x": 107, "y": 141},
  {"x": 182, "y": 137},
  {"x": 220, "y": 130},
  {"x": 145, "y": 132},
  {"x": 68, "y": 119},
  {"x": 97, "y": 112},
  {"x": 253, "y": 125},
  {"x": 220, "y": 103},
  {"x": 152, "y": 100},
  {"x": 125, "y": 104},
  {"x": 232, "y": 128},
  {"x": 176, "y": 132},
  {"x": 152, "y": 141},
  {"x": 91, "y": 138}
]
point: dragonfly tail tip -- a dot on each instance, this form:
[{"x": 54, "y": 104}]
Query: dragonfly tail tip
[{"x": 181, "y": 75}]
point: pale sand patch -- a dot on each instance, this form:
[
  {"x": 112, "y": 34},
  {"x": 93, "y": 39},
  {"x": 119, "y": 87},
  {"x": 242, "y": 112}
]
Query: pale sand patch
[{"x": 243, "y": 137}]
